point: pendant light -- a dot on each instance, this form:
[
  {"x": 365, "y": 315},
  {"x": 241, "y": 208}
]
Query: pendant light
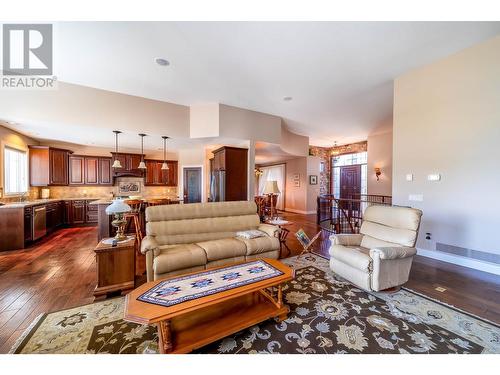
[
  {"x": 116, "y": 163},
  {"x": 142, "y": 165},
  {"x": 164, "y": 166}
]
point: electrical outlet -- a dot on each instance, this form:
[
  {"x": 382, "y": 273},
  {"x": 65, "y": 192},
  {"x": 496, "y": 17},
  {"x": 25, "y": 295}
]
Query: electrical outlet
[{"x": 434, "y": 177}]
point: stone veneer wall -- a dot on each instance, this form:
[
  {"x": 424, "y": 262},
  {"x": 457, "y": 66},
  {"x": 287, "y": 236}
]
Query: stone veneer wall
[{"x": 324, "y": 153}]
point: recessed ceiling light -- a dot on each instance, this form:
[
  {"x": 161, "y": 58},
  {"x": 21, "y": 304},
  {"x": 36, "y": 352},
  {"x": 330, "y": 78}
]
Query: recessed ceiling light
[
  {"x": 162, "y": 62},
  {"x": 287, "y": 98}
]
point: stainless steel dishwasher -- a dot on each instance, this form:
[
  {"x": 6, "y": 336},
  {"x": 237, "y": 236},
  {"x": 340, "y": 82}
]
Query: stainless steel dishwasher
[{"x": 39, "y": 222}]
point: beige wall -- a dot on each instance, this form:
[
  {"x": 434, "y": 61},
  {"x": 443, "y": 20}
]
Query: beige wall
[
  {"x": 245, "y": 124},
  {"x": 296, "y": 197},
  {"x": 447, "y": 121},
  {"x": 312, "y": 190},
  {"x": 204, "y": 120},
  {"x": 380, "y": 156}
]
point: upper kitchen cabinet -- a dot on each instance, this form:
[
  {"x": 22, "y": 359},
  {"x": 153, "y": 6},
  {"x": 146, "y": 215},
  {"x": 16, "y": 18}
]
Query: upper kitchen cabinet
[
  {"x": 89, "y": 170},
  {"x": 129, "y": 163},
  {"x": 48, "y": 166},
  {"x": 155, "y": 176}
]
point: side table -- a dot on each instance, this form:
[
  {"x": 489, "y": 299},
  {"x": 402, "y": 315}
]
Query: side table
[
  {"x": 283, "y": 234},
  {"x": 115, "y": 266}
]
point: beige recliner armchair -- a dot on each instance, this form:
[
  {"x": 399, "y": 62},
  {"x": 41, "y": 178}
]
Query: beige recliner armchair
[{"x": 380, "y": 256}]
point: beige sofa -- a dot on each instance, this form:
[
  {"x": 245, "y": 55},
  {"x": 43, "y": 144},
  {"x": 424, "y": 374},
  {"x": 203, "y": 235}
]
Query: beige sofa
[
  {"x": 190, "y": 237},
  {"x": 380, "y": 256}
]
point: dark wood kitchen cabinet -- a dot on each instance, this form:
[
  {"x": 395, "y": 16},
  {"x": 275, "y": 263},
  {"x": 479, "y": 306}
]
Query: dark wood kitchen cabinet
[
  {"x": 155, "y": 176},
  {"x": 105, "y": 171},
  {"x": 28, "y": 224},
  {"x": 49, "y": 166},
  {"x": 76, "y": 170},
  {"x": 89, "y": 170},
  {"x": 80, "y": 212},
  {"x": 129, "y": 163},
  {"x": 54, "y": 215},
  {"x": 233, "y": 161}
]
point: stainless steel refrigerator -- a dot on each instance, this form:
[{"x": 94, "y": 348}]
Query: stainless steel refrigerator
[{"x": 218, "y": 186}]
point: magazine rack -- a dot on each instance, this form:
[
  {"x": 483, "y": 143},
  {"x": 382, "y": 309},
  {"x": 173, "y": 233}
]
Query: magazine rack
[{"x": 305, "y": 241}]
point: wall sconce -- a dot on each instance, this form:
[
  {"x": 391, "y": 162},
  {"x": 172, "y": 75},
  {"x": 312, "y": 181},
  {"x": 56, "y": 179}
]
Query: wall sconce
[
  {"x": 378, "y": 172},
  {"x": 258, "y": 172}
]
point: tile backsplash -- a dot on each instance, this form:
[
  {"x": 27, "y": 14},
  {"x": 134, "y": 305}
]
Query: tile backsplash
[
  {"x": 107, "y": 191},
  {"x": 61, "y": 192}
]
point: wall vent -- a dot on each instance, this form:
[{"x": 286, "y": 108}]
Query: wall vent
[{"x": 468, "y": 253}]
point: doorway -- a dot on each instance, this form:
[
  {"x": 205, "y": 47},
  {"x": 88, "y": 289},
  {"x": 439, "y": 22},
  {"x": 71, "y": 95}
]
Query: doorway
[{"x": 192, "y": 184}]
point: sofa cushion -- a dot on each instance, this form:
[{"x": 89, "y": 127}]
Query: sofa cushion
[
  {"x": 260, "y": 245},
  {"x": 372, "y": 242},
  {"x": 223, "y": 249},
  {"x": 389, "y": 235},
  {"x": 394, "y": 216},
  {"x": 172, "y": 258},
  {"x": 355, "y": 256}
]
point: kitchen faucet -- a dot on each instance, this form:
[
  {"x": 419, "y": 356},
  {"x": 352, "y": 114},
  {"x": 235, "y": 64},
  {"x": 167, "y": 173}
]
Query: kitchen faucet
[{"x": 22, "y": 197}]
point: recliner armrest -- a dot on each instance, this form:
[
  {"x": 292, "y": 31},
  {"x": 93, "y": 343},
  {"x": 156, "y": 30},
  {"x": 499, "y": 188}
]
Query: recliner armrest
[
  {"x": 149, "y": 243},
  {"x": 270, "y": 230},
  {"x": 393, "y": 252},
  {"x": 346, "y": 239}
]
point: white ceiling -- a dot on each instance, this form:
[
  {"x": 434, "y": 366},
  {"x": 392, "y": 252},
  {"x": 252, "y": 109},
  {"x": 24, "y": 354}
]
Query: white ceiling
[{"x": 338, "y": 73}]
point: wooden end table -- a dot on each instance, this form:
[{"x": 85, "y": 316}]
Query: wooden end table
[
  {"x": 283, "y": 234},
  {"x": 189, "y": 325},
  {"x": 115, "y": 266}
]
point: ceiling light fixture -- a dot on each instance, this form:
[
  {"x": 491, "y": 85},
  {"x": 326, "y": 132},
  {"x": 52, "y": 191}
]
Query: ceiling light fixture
[
  {"x": 287, "y": 98},
  {"x": 335, "y": 150},
  {"x": 142, "y": 165},
  {"x": 116, "y": 163},
  {"x": 162, "y": 62},
  {"x": 164, "y": 166}
]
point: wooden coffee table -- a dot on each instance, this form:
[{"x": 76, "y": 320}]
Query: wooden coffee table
[{"x": 188, "y": 325}]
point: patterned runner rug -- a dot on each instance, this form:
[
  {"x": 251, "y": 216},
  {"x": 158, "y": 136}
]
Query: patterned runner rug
[
  {"x": 186, "y": 288},
  {"x": 328, "y": 315}
]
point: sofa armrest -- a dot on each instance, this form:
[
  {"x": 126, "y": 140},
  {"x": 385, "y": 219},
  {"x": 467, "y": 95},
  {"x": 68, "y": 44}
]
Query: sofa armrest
[
  {"x": 393, "y": 252},
  {"x": 149, "y": 243},
  {"x": 346, "y": 239},
  {"x": 270, "y": 230}
]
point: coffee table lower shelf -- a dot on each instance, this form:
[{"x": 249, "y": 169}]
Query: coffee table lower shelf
[{"x": 191, "y": 331}]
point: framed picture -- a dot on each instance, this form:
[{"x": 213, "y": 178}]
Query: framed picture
[
  {"x": 127, "y": 187},
  {"x": 313, "y": 179},
  {"x": 296, "y": 183},
  {"x": 296, "y": 177}
]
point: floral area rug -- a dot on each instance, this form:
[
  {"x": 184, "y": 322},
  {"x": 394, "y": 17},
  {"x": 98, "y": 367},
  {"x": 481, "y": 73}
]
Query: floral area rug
[{"x": 328, "y": 315}]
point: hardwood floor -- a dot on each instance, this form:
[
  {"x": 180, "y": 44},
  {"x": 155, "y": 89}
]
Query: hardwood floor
[{"x": 59, "y": 273}]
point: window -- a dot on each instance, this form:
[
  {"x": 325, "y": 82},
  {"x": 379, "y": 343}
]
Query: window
[{"x": 15, "y": 170}]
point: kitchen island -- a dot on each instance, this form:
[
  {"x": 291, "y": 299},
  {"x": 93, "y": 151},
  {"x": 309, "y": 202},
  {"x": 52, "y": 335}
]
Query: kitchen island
[
  {"x": 22, "y": 223},
  {"x": 105, "y": 229}
]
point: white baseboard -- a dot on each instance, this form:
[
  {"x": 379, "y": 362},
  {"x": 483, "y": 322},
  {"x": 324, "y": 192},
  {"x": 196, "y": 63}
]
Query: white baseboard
[
  {"x": 299, "y": 211},
  {"x": 461, "y": 261}
]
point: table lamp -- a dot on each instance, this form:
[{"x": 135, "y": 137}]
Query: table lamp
[
  {"x": 270, "y": 189},
  {"x": 117, "y": 208}
]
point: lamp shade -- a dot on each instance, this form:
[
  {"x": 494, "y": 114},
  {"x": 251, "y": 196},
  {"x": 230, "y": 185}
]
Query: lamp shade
[
  {"x": 164, "y": 166},
  {"x": 118, "y": 207},
  {"x": 271, "y": 187},
  {"x": 142, "y": 165},
  {"x": 116, "y": 164}
]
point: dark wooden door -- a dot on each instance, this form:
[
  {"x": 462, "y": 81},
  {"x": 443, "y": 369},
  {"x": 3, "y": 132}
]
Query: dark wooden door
[
  {"x": 192, "y": 185},
  {"x": 350, "y": 184}
]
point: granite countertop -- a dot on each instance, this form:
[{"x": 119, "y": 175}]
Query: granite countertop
[{"x": 37, "y": 202}]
